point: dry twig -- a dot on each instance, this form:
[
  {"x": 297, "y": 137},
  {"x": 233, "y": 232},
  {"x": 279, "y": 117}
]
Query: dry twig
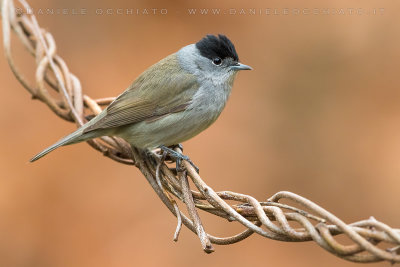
[{"x": 270, "y": 219}]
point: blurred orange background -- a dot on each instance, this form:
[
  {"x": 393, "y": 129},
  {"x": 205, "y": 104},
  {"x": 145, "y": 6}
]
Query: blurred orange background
[{"x": 319, "y": 116}]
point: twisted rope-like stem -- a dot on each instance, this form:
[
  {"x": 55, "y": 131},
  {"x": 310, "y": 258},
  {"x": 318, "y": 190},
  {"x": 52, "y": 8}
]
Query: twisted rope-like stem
[{"x": 270, "y": 219}]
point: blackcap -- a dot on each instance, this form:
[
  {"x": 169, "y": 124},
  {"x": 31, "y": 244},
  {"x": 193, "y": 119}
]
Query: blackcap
[{"x": 171, "y": 101}]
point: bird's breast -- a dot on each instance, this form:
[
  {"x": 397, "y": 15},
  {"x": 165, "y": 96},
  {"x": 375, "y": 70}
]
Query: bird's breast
[{"x": 210, "y": 99}]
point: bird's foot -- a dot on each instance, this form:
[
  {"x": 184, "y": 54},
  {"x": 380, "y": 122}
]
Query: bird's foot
[{"x": 178, "y": 157}]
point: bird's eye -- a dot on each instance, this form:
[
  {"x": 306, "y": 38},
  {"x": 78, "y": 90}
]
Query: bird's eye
[{"x": 217, "y": 61}]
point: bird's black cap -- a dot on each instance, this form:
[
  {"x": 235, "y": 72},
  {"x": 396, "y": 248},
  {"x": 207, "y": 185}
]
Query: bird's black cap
[{"x": 220, "y": 46}]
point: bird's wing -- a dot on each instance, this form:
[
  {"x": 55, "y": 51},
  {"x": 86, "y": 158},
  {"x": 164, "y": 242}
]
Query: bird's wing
[{"x": 159, "y": 91}]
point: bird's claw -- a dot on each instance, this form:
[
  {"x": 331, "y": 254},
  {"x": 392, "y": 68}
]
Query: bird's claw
[{"x": 179, "y": 157}]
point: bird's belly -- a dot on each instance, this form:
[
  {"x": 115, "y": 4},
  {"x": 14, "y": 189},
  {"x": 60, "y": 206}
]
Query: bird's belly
[{"x": 169, "y": 130}]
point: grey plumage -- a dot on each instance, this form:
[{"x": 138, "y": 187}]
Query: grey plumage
[{"x": 172, "y": 101}]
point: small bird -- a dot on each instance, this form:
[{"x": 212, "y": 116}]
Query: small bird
[{"x": 170, "y": 102}]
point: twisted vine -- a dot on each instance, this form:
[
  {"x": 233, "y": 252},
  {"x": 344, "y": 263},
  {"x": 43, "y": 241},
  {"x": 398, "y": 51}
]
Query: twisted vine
[{"x": 270, "y": 218}]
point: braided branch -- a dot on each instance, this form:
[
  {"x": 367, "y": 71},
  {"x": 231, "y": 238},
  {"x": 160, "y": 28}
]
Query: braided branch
[{"x": 270, "y": 219}]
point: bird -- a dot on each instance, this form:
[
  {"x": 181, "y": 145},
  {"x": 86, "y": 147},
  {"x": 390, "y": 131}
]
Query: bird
[{"x": 170, "y": 102}]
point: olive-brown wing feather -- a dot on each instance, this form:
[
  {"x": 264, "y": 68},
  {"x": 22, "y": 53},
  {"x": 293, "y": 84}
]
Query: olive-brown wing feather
[{"x": 157, "y": 92}]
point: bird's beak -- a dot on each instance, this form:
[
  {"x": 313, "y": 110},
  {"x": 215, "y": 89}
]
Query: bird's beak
[{"x": 240, "y": 66}]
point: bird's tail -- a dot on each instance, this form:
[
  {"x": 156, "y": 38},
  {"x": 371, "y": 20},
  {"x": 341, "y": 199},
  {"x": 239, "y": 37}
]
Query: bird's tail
[
  {"x": 79, "y": 135},
  {"x": 72, "y": 138}
]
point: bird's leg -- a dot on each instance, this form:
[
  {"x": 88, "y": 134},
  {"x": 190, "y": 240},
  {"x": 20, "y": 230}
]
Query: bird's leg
[
  {"x": 179, "y": 160},
  {"x": 178, "y": 157}
]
